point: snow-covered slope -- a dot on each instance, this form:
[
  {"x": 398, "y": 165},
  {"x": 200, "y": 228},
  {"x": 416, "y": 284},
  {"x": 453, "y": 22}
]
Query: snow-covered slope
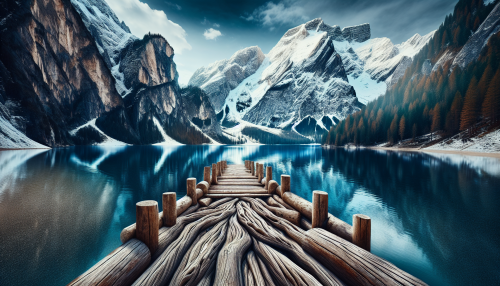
[
  {"x": 11, "y": 137},
  {"x": 219, "y": 78},
  {"x": 111, "y": 35}
]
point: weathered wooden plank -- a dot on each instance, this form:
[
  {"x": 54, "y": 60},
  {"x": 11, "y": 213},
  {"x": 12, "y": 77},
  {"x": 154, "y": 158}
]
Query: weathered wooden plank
[
  {"x": 231, "y": 255},
  {"x": 283, "y": 270},
  {"x": 254, "y": 269},
  {"x": 236, "y": 177},
  {"x": 243, "y": 195},
  {"x": 353, "y": 264},
  {"x": 265, "y": 273},
  {"x": 280, "y": 201},
  {"x": 235, "y": 187},
  {"x": 201, "y": 256},
  {"x": 205, "y": 202},
  {"x": 120, "y": 267},
  {"x": 260, "y": 229},
  {"x": 162, "y": 269},
  {"x": 236, "y": 183},
  {"x": 237, "y": 191}
]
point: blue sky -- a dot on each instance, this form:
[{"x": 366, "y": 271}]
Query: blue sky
[{"x": 203, "y": 32}]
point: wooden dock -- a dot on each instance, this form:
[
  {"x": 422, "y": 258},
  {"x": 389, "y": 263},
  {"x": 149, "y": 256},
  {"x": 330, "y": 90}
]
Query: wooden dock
[{"x": 239, "y": 227}]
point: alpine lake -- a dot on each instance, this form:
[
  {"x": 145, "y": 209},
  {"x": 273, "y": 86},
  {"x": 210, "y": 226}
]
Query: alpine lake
[{"x": 433, "y": 215}]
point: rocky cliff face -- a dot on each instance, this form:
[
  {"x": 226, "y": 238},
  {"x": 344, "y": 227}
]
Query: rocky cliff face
[
  {"x": 219, "y": 78},
  {"x": 54, "y": 77}
]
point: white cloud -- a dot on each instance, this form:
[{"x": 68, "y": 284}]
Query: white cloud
[
  {"x": 141, "y": 19},
  {"x": 216, "y": 25},
  {"x": 212, "y": 34},
  {"x": 176, "y": 6},
  {"x": 271, "y": 14}
]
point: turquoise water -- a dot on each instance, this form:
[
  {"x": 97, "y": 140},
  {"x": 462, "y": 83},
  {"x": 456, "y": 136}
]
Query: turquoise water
[{"x": 433, "y": 215}]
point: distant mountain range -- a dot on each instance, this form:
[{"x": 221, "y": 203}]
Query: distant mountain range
[{"x": 72, "y": 74}]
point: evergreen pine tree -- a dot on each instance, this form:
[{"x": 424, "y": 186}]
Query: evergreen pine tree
[
  {"x": 470, "y": 110},
  {"x": 491, "y": 104}
]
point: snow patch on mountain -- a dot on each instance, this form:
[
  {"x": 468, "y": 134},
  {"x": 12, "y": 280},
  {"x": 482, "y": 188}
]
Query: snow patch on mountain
[
  {"x": 167, "y": 140},
  {"x": 11, "y": 138},
  {"x": 111, "y": 35},
  {"x": 108, "y": 141}
]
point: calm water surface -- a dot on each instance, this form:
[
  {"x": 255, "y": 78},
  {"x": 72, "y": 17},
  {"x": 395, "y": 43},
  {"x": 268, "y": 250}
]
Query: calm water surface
[{"x": 435, "y": 216}]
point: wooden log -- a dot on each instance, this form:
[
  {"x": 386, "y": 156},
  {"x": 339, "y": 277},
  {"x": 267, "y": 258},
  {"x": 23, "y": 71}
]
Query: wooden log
[
  {"x": 231, "y": 255},
  {"x": 272, "y": 202},
  {"x": 252, "y": 219},
  {"x": 147, "y": 224},
  {"x": 182, "y": 205},
  {"x": 333, "y": 225},
  {"x": 305, "y": 223},
  {"x": 362, "y": 231},
  {"x": 204, "y": 186},
  {"x": 289, "y": 215},
  {"x": 214, "y": 174},
  {"x": 285, "y": 184},
  {"x": 265, "y": 273},
  {"x": 199, "y": 194},
  {"x": 254, "y": 270},
  {"x": 121, "y": 267},
  {"x": 272, "y": 186},
  {"x": 282, "y": 202},
  {"x": 354, "y": 265},
  {"x": 206, "y": 175},
  {"x": 260, "y": 174},
  {"x": 201, "y": 256},
  {"x": 283, "y": 270},
  {"x": 205, "y": 202},
  {"x": 319, "y": 209},
  {"x": 169, "y": 206},
  {"x": 178, "y": 239},
  {"x": 191, "y": 190},
  {"x": 269, "y": 176}
]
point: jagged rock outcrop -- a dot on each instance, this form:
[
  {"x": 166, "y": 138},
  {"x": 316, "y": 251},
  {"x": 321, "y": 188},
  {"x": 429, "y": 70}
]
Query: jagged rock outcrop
[
  {"x": 470, "y": 51},
  {"x": 54, "y": 78},
  {"x": 359, "y": 33},
  {"x": 219, "y": 78}
]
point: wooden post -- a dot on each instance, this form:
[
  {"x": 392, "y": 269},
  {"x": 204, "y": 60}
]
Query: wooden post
[
  {"x": 252, "y": 167},
  {"x": 285, "y": 184},
  {"x": 319, "y": 208},
  {"x": 191, "y": 190},
  {"x": 260, "y": 173},
  {"x": 256, "y": 169},
  {"x": 269, "y": 176},
  {"x": 219, "y": 173},
  {"x": 169, "y": 205},
  {"x": 206, "y": 174},
  {"x": 362, "y": 231},
  {"x": 147, "y": 224},
  {"x": 214, "y": 174}
]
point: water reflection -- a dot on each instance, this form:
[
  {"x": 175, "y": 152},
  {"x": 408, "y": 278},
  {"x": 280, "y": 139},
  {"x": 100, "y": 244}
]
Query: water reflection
[{"x": 432, "y": 215}]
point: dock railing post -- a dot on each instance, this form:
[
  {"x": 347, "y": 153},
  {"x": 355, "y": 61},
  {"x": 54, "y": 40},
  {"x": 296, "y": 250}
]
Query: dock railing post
[
  {"x": 361, "y": 231},
  {"x": 206, "y": 175},
  {"x": 169, "y": 206},
  {"x": 219, "y": 173},
  {"x": 319, "y": 208},
  {"x": 260, "y": 173},
  {"x": 256, "y": 170},
  {"x": 147, "y": 224},
  {"x": 191, "y": 190},
  {"x": 269, "y": 176},
  {"x": 252, "y": 167},
  {"x": 214, "y": 174},
  {"x": 285, "y": 184}
]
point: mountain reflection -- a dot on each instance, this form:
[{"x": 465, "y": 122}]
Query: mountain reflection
[{"x": 432, "y": 215}]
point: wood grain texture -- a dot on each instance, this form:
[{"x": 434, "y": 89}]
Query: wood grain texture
[
  {"x": 163, "y": 268},
  {"x": 285, "y": 183},
  {"x": 282, "y": 202},
  {"x": 260, "y": 174},
  {"x": 147, "y": 223},
  {"x": 352, "y": 264},
  {"x": 319, "y": 209},
  {"x": 242, "y": 195},
  {"x": 120, "y": 267},
  {"x": 229, "y": 261},
  {"x": 272, "y": 202},
  {"x": 252, "y": 167},
  {"x": 362, "y": 231},
  {"x": 269, "y": 176},
  {"x": 199, "y": 194},
  {"x": 201, "y": 257},
  {"x": 169, "y": 206},
  {"x": 251, "y": 214}
]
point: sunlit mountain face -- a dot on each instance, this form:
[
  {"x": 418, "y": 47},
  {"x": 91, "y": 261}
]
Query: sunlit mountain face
[{"x": 67, "y": 207}]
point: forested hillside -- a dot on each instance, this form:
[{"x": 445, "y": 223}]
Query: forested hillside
[{"x": 435, "y": 94}]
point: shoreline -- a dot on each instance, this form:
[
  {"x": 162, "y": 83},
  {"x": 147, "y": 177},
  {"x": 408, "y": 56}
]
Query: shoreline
[{"x": 454, "y": 152}]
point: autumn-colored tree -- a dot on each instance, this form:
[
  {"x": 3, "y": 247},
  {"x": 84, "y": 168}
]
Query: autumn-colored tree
[
  {"x": 393, "y": 129},
  {"x": 470, "y": 110},
  {"x": 484, "y": 82},
  {"x": 436, "y": 118},
  {"x": 402, "y": 126},
  {"x": 414, "y": 131},
  {"x": 452, "y": 124},
  {"x": 491, "y": 104}
]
